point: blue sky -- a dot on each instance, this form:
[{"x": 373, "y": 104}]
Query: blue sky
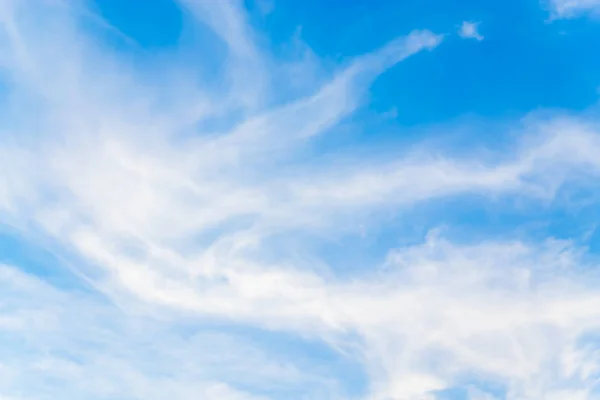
[{"x": 267, "y": 199}]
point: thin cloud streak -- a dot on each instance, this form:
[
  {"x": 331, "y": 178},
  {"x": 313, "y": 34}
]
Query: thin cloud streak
[{"x": 565, "y": 9}]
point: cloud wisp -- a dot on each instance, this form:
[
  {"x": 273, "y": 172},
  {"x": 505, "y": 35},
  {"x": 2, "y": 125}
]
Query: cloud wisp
[
  {"x": 562, "y": 9},
  {"x": 182, "y": 208}
]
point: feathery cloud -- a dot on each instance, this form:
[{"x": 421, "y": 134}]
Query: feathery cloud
[{"x": 573, "y": 8}]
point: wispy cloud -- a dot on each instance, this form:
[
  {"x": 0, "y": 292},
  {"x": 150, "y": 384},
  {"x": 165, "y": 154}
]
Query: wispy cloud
[
  {"x": 184, "y": 236},
  {"x": 573, "y": 8}
]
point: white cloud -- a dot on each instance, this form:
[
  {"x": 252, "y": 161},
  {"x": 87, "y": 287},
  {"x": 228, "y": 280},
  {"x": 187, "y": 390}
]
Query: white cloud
[
  {"x": 76, "y": 346},
  {"x": 177, "y": 225},
  {"x": 573, "y": 8},
  {"x": 470, "y": 30}
]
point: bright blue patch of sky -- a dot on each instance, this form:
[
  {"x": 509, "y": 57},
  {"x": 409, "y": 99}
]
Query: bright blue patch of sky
[
  {"x": 524, "y": 62},
  {"x": 153, "y": 25},
  {"x": 33, "y": 259}
]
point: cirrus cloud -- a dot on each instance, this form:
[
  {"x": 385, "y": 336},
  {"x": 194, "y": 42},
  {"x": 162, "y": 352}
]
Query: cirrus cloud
[{"x": 190, "y": 239}]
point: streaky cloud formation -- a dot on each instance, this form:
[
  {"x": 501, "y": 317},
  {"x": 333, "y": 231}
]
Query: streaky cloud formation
[
  {"x": 573, "y": 8},
  {"x": 179, "y": 222}
]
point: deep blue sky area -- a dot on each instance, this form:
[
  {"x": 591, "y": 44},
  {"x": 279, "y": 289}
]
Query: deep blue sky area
[{"x": 526, "y": 61}]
